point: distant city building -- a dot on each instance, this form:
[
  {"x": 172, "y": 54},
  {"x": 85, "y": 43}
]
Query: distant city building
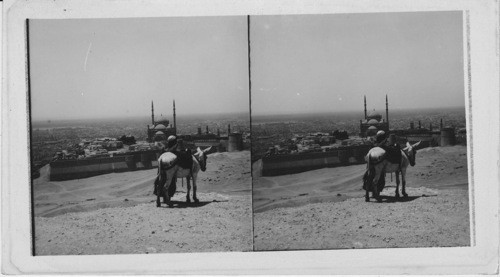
[{"x": 231, "y": 142}]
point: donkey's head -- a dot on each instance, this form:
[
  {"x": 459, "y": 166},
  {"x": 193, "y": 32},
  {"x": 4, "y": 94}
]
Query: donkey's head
[
  {"x": 202, "y": 157},
  {"x": 411, "y": 152}
]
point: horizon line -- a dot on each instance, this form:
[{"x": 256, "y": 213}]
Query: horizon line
[
  {"x": 135, "y": 116},
  {"x": 352, "y": 111},
  {"x": 234, "y": 113}
]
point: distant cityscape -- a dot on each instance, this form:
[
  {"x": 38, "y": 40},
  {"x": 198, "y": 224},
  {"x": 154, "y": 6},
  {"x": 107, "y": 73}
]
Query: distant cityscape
[
  {"x": 49, "y": 138},
  {"x": 279, "y": 130}
]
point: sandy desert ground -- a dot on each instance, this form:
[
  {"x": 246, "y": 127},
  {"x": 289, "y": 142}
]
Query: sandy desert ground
[
  {"x": 325, "y": 208},
  {"x": 116, "y": 213},
  {"x": 321, "y": 209}
]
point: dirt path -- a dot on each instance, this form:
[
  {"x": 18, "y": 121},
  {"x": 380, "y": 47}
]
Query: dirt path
[
  {"x": 325, "y": 209},
  {"x": 430, "y": 218},
  {"x": 320, "y": 209},
  {"x": 218, "y": 223},
  {"x": 116, "y": 213}
]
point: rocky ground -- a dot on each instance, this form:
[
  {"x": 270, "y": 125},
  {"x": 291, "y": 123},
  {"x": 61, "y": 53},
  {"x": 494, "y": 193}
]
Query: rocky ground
[
  {"x": 325, "y": 209},
  {"x": 321, "y": 209},
  {"x": 219, "y": 223},
  {"x": 117, "y": 214}
]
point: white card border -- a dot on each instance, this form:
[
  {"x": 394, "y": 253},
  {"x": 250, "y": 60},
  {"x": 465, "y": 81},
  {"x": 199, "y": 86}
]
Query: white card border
[{"x": 484, "y": 163}]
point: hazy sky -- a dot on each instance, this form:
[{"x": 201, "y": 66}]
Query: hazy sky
[
  {"x": 91, "y": 68},
  {"x": 311, "y": 63}
]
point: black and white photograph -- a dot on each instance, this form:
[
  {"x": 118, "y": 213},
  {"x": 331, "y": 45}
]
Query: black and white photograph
[
  {"x": 339, "y": 97},
  {"x": 246, "y": 137},
  {"x": 119, "y": 105}
]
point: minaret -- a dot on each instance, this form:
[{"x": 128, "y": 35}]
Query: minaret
[
  {"x": 175, "y": 123},
  {"x": 152, "y": 114},
  {"x": 365, "y": 106},
  {"x": 387, "y": 111}
]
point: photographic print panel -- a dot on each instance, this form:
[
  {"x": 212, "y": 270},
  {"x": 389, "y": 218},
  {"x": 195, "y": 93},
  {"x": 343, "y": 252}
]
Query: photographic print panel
[
  {"x": 111, "y": 101},
  {"x": 329, "y": 91}
]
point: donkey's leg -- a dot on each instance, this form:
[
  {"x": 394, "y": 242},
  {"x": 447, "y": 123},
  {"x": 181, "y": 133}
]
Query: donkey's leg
[
  {"x": 166, "y": 197},
  {"x": 157, "y": 186},
  {"x": 164, "y": 191},
  {"x": 367, "y": 179},
  {"x": 194, "y": 189},
  {"x": 403, "y": 177},
  {"x": 158, "y": 201},
  {"x": 188, "y": 181},
  {"x": 397, "y": 183},
  {"x": 376, "y": 194}
]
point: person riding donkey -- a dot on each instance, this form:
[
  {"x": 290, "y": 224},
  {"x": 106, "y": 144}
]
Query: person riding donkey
[
  {"x": 183, "y": 159},
  {"x": 389, "y": 145},
  {"x": 389, "y": 149},
  {"x": 171, "y": 144},
  {"x": 183, "y": 155}
]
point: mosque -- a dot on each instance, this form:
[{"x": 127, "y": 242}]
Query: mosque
[
  {"x": 428, "y": 137},
  {"x": 374, "y": 122},
  {"x": 161, "y": 129}
]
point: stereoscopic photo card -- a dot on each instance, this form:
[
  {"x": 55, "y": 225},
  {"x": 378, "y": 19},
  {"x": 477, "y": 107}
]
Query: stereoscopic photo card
[{"x": 243, "y": 137}]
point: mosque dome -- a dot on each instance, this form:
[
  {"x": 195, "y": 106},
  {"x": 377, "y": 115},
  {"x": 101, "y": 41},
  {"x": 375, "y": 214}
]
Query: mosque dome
[
  {"x": 159, "y": 133},
  {"x": 162, "y": 120},
  {"x": 372, "y": 130},
  {"x": 372, "y": 121},
  {"x": 160, "y": 127},
  {"x": 374, "y": 115}
]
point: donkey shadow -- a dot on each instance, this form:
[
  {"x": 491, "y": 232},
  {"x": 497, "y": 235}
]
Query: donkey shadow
[
  {"x": 394, "y": 199},
  {"x": 184, "y": 204}
]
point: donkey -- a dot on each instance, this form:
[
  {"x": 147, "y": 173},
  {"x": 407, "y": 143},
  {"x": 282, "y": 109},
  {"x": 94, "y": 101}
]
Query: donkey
[
  {"x": 378, "y": 165},
  {"x": 169, "y": 169}
]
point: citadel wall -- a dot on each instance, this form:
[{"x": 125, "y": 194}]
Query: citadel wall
[
  {"x": 299, "y": 162},
  {"x": 61, "y": 170}
]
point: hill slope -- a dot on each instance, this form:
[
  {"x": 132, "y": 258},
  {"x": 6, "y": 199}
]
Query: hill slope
[
  {"x": 116, "y": 213},
  {"x": 325, "y": 209}
]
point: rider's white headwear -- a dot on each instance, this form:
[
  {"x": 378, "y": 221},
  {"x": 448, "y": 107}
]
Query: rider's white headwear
[{"x": 171, "y": 141}]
